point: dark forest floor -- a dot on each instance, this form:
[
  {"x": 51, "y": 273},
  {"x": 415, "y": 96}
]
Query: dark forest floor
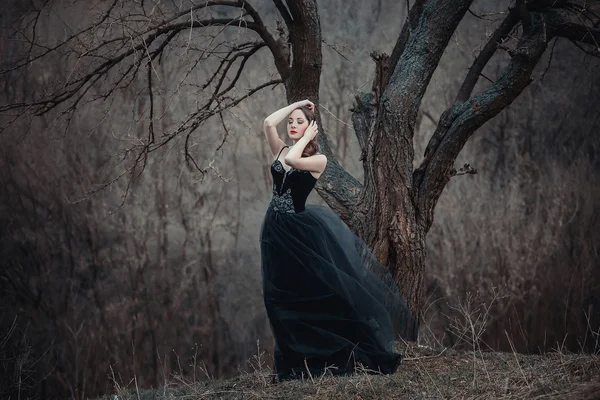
[{"x": 424, "y": 374}]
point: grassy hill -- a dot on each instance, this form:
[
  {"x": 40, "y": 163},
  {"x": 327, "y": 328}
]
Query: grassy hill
[{"x": 425, "y": 373}]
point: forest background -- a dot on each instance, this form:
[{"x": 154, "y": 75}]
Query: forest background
[{"x": 144, "y": 276}]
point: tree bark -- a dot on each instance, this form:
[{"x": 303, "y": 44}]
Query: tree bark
[{"x": 390, "y": 220}]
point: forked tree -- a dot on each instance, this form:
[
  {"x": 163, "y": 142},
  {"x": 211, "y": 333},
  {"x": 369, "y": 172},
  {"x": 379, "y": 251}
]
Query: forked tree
[{"x": 393, "y": 208}]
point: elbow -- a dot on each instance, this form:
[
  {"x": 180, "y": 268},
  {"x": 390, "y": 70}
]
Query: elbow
[
  {"x": 268, "y": 123},
  {"x": 289, "y": 161}
]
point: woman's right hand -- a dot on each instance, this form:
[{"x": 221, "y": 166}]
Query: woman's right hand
[{"x": 308, "y": 104}]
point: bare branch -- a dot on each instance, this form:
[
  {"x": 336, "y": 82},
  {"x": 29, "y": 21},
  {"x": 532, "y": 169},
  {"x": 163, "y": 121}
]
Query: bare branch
[
  {"x": 28, "y": 58},
  {"x": 285, "y": 14},
  {"x": 495, "y": 42},
  {"x": 151, "y": 99},
  {"x": 485, "y": 55},
  {"x": 281, "y": 61},
  {"x": 458, "y": 123},
  {"x": 412, "y": 18},
  {"x": 547, "y": 20},
  {"x": 521, "y": 9},
  {"x": 195, "y": 120},
  {"x": 245, "y": 56},
  {"x": 227, "y": 60},
  {"x": 578, "y": 33},
  {"x": 294, "y": 10},
  {"x": 107, "y": 56},
  {"x": 465, "y": 169},
  {"x": 44, "y": 105},
  {"x": 411, "y": 74}
]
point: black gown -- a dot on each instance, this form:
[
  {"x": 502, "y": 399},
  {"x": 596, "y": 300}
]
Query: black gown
[{"x": 330, "y": 304}]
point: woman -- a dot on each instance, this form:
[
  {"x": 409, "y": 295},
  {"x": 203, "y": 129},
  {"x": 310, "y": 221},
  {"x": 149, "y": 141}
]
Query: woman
[{"x": 329, "y": 303}]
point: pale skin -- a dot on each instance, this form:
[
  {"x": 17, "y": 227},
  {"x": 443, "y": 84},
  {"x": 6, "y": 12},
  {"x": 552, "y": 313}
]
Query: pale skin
[{"x": 301, "y": 132}]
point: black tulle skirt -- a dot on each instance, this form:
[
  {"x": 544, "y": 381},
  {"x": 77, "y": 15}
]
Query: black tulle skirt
[{"x": 330, "y": 305}]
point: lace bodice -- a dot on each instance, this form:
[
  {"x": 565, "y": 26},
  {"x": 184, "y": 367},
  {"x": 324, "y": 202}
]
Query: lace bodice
[{"x": 290, "y": 188}]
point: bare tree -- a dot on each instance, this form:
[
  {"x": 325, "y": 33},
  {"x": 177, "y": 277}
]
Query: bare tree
[{"x": 393, "y": 208}]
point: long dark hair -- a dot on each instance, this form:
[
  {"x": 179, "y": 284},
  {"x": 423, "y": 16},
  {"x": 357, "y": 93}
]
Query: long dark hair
[{"x": 312, "y": 147}]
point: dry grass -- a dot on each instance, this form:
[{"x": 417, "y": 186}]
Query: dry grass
[
  {"x": 428, "y": 371},
  {"x": 425, "y": 373}
]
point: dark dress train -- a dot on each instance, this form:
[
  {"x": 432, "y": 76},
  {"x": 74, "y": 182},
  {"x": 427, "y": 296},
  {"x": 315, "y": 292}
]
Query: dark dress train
[{"x": 330, "y": 304}]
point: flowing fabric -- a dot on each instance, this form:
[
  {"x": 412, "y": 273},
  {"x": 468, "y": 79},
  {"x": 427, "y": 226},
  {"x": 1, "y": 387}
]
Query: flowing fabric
[{"x": 330, "y": 304}]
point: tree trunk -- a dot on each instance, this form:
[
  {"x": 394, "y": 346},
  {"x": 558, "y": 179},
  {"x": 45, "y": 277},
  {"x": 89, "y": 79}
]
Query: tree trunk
[
  {"x": 390, "y": 226},
  {"x": 389, "y": 219}
]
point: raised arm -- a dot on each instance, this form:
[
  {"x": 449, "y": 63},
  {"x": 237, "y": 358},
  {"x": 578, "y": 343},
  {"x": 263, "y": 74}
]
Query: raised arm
[{"x": 271, "y": 122}]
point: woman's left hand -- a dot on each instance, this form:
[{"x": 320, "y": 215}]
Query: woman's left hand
[{"x": 312, "y": 130}]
